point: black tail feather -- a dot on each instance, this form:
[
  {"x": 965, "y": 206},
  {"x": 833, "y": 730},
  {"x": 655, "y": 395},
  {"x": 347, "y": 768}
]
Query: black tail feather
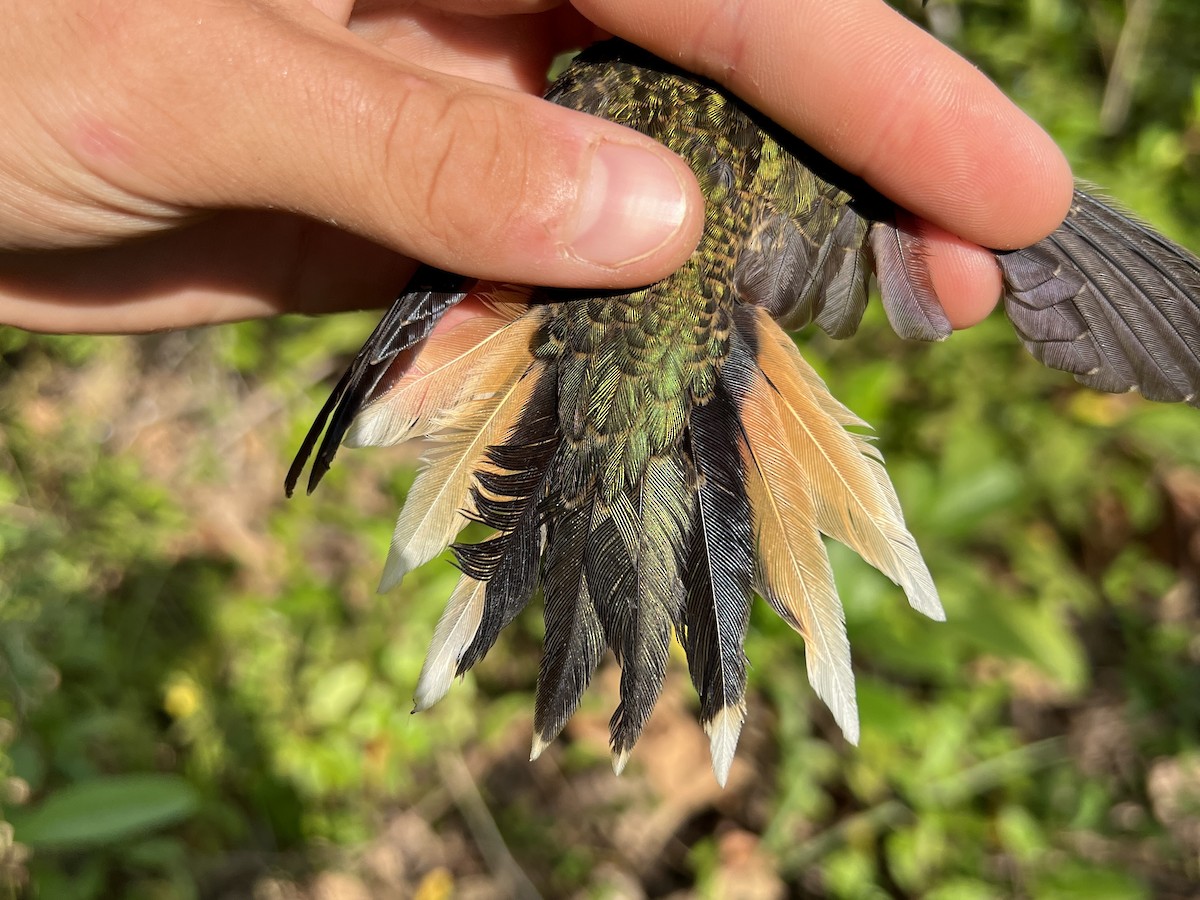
[
  {"x": 720, "y": 563},
  {"x": 509, "y": 561},
  {"x": 662, "y": 513},
  {"x": 406, "y": 324},
  {"x": 574, "y": 642}
]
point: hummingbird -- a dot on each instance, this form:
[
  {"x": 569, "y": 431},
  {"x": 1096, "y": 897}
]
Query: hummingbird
[{"x": 650, "y": 460}]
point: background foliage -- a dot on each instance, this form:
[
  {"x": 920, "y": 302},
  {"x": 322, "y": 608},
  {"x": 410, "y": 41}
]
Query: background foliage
[{"x": 201, "y": 696}]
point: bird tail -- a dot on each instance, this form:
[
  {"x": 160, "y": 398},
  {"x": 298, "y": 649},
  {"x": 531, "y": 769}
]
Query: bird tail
[{"x": 766, "y": 464}]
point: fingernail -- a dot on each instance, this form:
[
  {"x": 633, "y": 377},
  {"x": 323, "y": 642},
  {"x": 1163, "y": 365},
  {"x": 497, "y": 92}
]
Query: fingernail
[{"x": 632, "y": 203}]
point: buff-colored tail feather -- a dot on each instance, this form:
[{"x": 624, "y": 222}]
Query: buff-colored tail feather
[
  {"x": 793, "y": 571},
  {"x": 477, "y": 356},
  {"x": 855, "y": 502}
]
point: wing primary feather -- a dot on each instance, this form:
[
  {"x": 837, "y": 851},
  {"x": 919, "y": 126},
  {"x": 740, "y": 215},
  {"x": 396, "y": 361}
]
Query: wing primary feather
[
  {"x": 844, "y": 278},
  {"x": 1111, "y": 301},
  {"x": 651, "y": 457}
]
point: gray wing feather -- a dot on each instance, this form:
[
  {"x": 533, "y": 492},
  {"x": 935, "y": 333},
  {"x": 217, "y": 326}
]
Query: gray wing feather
[
  {"x": 800, "y": 281},
  {"x": 1111, "y": 301},
  {"x": 905, "y": 287}
]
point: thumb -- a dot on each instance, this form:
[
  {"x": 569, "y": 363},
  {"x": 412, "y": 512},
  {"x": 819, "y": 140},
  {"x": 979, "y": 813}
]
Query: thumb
[{"x": 289, "y": 110}]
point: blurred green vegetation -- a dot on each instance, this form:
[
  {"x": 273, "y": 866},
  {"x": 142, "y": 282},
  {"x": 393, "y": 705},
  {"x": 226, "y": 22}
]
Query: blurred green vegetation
[{"x": 201, "y": 696}]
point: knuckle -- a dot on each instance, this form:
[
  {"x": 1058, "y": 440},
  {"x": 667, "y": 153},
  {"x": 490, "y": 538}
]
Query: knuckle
[{"x": 458, "y": 164}]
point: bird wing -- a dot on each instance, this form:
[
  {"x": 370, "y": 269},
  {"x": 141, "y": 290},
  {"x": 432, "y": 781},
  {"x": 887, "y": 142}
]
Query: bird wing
[
  {"x": 1104, "y": 297},
  {"x": 1111, "y": 301}
]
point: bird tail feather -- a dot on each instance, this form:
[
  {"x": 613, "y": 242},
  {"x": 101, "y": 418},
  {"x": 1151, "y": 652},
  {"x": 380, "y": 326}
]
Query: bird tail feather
[{"x": 765, "y": 464}]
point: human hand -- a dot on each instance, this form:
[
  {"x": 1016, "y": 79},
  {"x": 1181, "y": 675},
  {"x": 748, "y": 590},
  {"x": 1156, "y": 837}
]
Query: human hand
[
  {"x": 888, "y": 102},
  {"x": 245, "y": 157}
]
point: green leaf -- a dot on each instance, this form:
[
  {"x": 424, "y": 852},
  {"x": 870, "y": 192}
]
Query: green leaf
[
  {"x": 337, "y": 693},
  {"x": 962, "y": 504},
  {"x": 1080, "y": 880},
  {"x": 105, "y": 810}
]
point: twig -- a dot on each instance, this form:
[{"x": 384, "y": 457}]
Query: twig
[
  {"x": 1127, "y": 61},
  {"x": 461, "y": 784}
]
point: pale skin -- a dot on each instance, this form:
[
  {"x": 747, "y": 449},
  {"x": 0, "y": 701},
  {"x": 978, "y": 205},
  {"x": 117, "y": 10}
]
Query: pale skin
[{"x": 189, "y": 162}]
